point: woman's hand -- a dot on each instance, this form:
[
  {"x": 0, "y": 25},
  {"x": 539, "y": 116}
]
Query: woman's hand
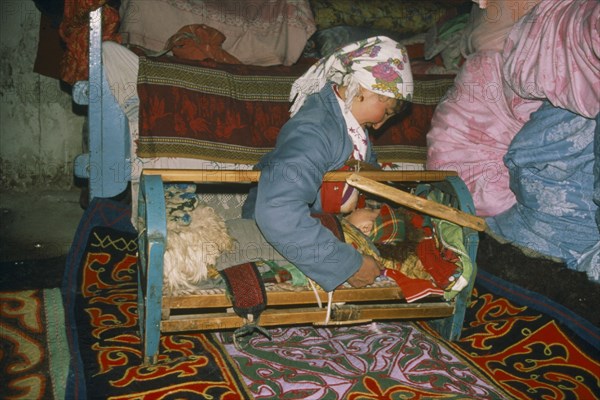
[{"x": 366, "y": 274}]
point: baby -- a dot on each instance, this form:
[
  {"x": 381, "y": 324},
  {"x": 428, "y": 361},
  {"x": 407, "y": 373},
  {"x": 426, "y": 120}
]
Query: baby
[
  {"x": 381, "y": 236},
  {"x": 390, "y": 230},
  {"x": 250, "y": 245},
  {"x": 363, "y": 219}
]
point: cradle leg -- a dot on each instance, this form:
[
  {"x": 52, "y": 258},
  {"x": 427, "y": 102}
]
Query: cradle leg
[
  {"x": 153, "y": 305},
  {"x": 152, "y": 244}
]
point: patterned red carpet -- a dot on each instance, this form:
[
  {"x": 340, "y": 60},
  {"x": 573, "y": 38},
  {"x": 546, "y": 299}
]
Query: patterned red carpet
[
  {"x": 507, "y": 350},
  {"x": 515, "y": 344},
  {"x": 531, "y": 347}
]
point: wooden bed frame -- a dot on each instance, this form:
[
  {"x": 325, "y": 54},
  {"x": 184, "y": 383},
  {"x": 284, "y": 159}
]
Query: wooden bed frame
[{"x": 159, "y": 313}]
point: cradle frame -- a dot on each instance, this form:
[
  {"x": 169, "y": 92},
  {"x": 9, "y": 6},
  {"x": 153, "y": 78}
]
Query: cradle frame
[{"x": 160, "y": 313}]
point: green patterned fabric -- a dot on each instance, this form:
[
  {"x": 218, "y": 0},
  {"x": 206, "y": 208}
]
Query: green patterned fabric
[
  {"x": 58, "y": 353},
  {"x": 216, "y": 81},
  {"x": 389, "y": 226},
  {"x": 229, "y": 153},
  {"x": 412, "y": 16},
  {"x": 254, "y": 85}
]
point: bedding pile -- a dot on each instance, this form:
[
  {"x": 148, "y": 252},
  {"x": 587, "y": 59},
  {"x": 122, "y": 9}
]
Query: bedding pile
[
  {"x": 248, "y": 26},
  {"x": 210, "y": 115},
  {"x": 518, "y": 126},
  {"x": 550, "y": 163},
  {"x": 197, "y": 115}
]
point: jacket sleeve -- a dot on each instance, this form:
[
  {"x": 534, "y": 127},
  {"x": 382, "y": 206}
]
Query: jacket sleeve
[
  {"x": 288, "y": 187},
  {"x": 372, "y": 155}
]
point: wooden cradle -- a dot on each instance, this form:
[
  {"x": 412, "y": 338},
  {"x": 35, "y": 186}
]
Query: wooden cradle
[{"x": 159, "y": 313}]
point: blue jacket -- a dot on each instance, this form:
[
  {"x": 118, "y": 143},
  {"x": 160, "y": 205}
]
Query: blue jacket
[{"x": 312, "y": 143}]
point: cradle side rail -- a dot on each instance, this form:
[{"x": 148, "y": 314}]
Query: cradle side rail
[
  {"x": 107, "y": 163},
  {"x": 154, "y": 307}
]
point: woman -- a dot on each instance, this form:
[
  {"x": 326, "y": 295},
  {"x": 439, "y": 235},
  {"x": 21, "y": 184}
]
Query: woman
[{"x": 358, "y": 87}]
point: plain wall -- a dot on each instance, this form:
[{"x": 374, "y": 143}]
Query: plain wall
[{"x": 40, "y": 132}]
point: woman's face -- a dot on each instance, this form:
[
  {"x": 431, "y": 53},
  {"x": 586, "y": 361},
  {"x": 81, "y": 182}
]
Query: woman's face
[{"x": 372, "y": 110}]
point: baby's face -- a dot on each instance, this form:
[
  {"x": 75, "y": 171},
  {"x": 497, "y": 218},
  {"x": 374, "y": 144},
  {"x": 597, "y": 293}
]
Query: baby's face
[{"x": 363, "y": 219}]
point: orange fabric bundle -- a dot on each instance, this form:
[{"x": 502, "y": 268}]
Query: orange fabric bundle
[
  {"x": 74, "y": 31},
  {"x": 199, "y": 42}
]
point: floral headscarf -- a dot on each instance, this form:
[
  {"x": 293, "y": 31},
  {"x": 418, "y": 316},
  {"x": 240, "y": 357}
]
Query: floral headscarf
[{"x": 379, "y": 64}]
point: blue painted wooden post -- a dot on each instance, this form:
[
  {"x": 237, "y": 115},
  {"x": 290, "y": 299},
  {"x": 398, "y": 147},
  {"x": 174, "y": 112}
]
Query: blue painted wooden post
[
  {"x": 107, "y": 166},
  {"x": 152, "y": 245}
]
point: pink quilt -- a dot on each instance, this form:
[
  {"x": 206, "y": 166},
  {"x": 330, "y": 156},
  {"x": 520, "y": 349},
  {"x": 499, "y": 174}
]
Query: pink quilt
[{"x": 552, "y": 53}]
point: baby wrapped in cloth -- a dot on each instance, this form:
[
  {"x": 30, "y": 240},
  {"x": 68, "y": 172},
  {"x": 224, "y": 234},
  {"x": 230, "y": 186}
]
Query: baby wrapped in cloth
[{"x": 396, "y": 238}]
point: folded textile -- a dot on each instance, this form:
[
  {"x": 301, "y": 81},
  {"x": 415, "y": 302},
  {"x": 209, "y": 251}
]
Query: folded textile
[
  {"x": 551, "y": 164},
  {"x": 552, "y": 53},
  {"x": 441, "y": 270},
  {"x": 413, "y": 289},
  {"x": 472, "y": 128}
]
